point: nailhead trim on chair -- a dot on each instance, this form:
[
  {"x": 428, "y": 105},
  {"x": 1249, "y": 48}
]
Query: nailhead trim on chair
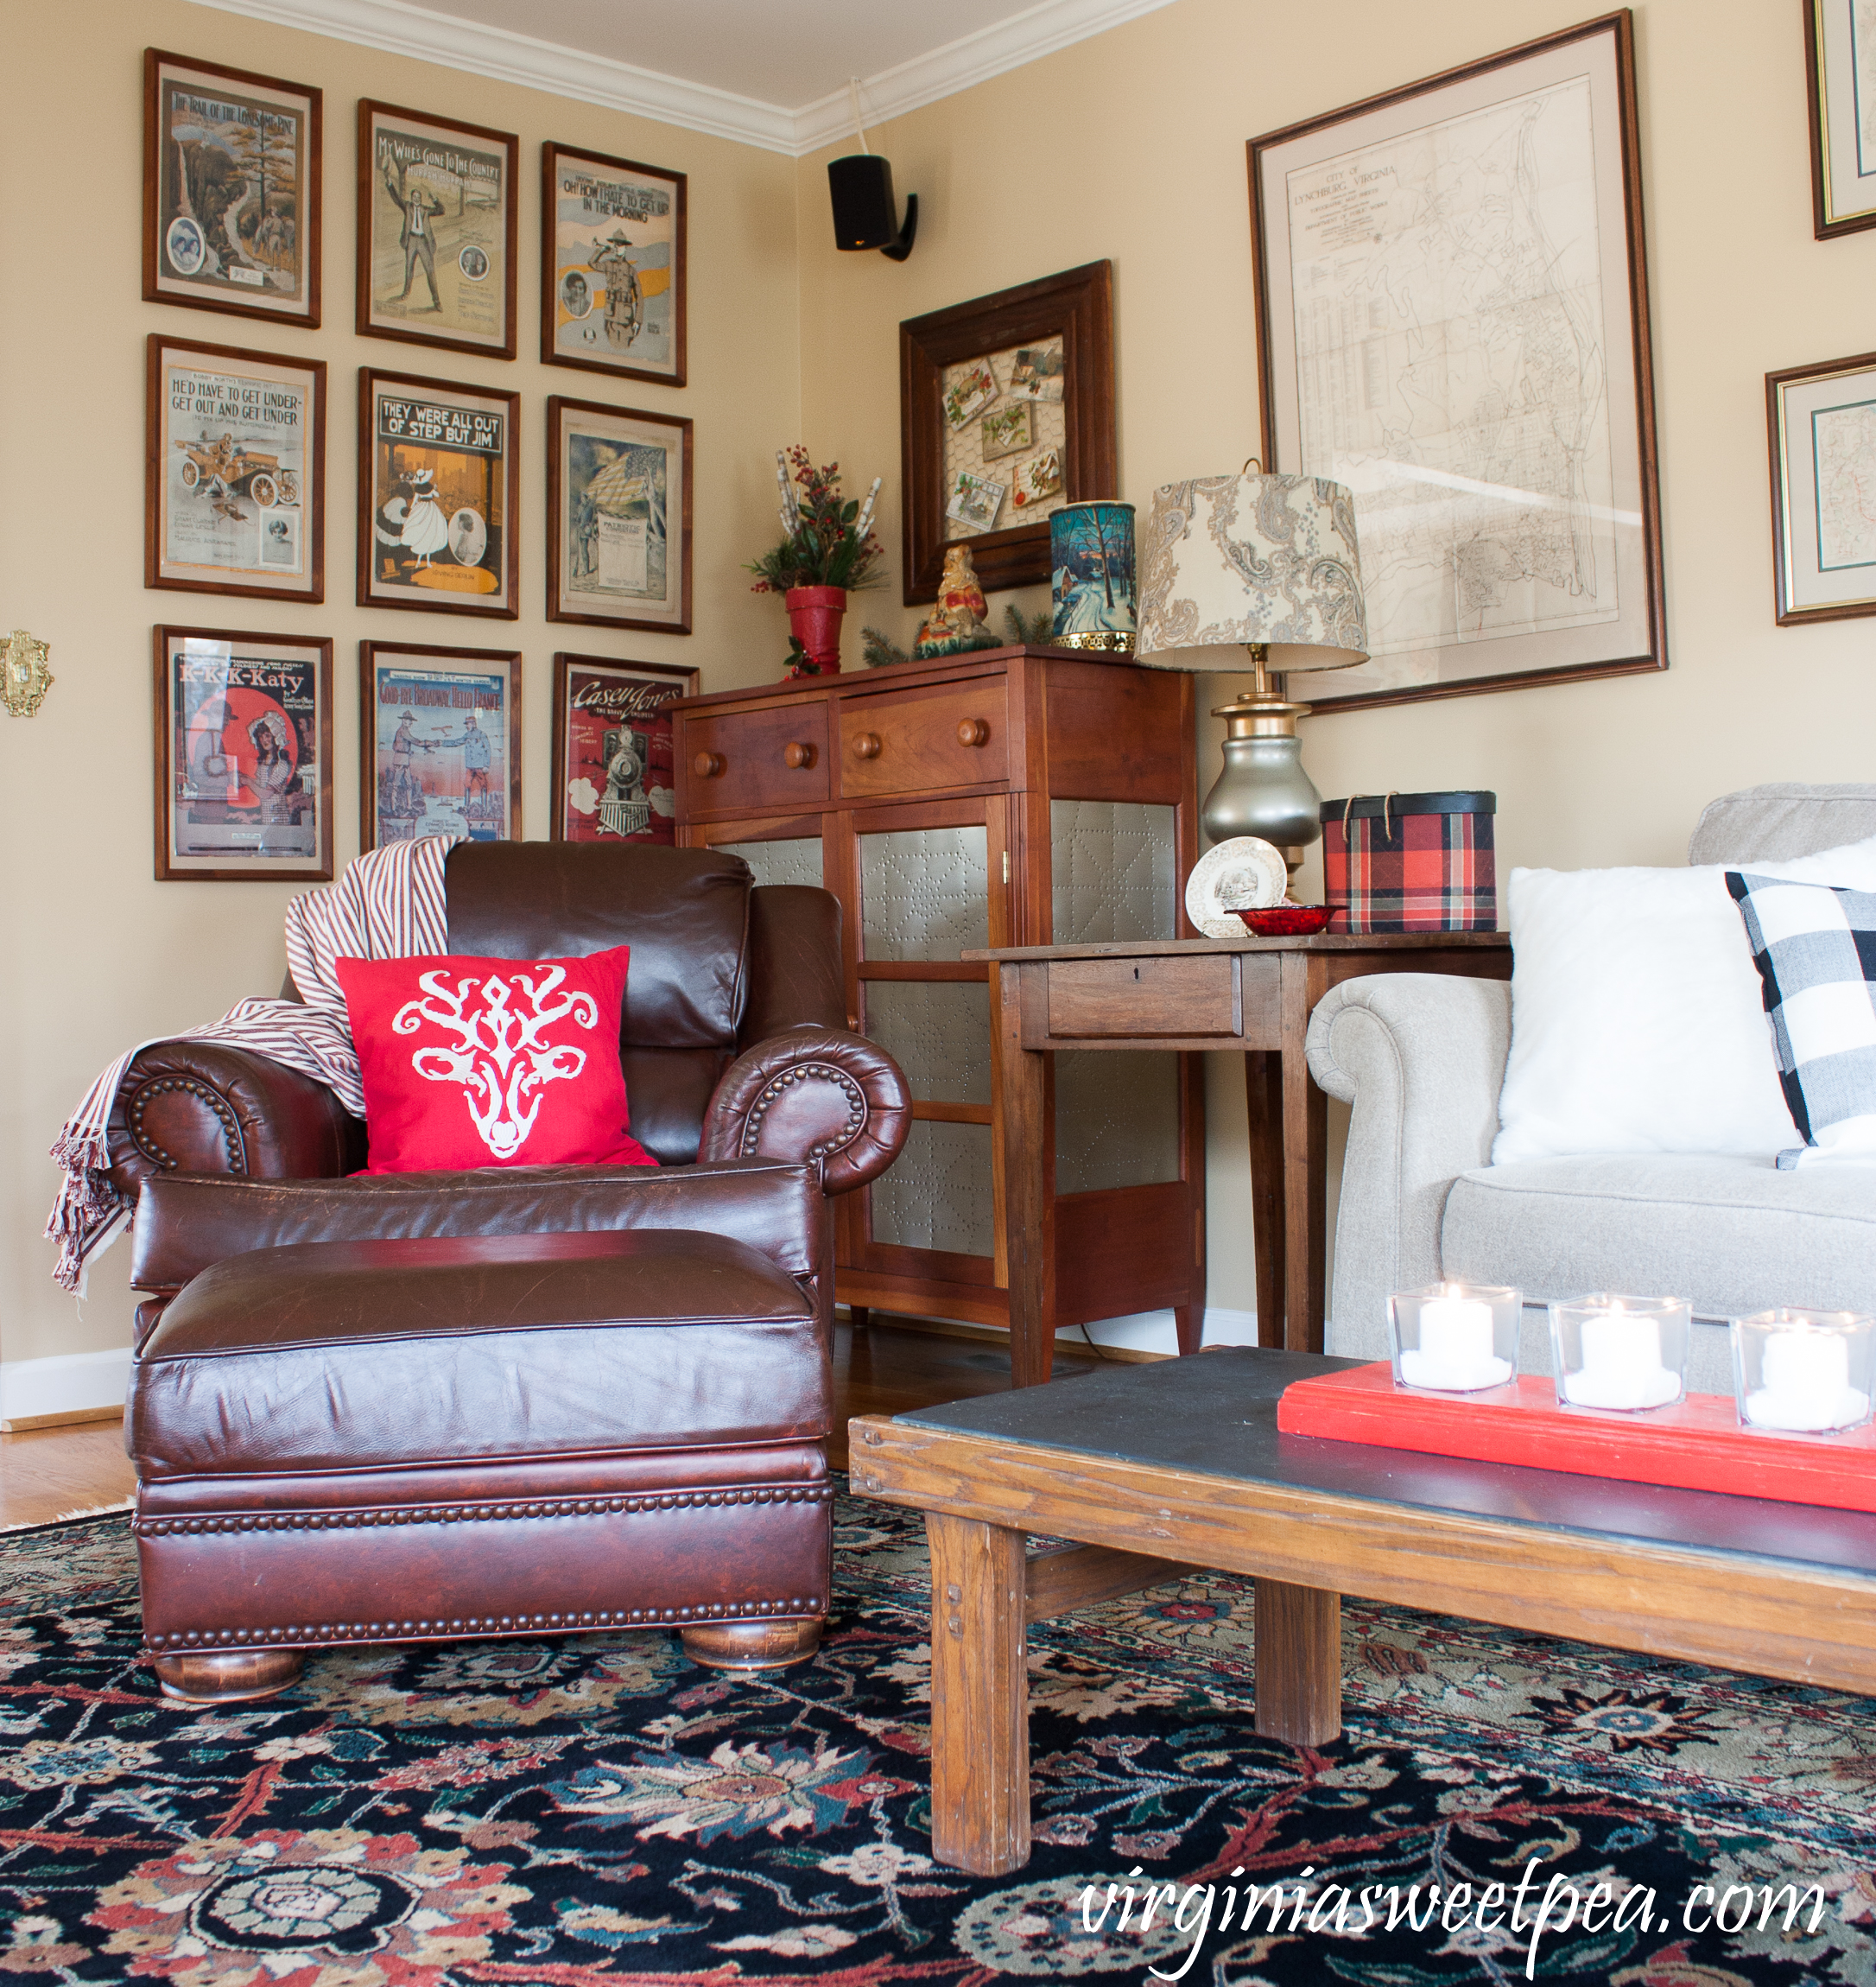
[
  {"x": 318, "y": 1632},
  {"x": 456, "y": 1514},
  {"x": 856, "y": 1106},
  {"x": 190, "y": 1087}
]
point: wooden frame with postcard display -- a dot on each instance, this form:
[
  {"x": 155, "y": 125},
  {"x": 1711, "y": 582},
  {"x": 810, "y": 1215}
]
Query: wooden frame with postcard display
[
  {"x": 436, "y": 430},
  {"x": 264, "y": 682},
  {"x": 1496, "y": 553},
  {"x": 1075, "y": 308},
  {"x": 579, "y": 536},
  {"x": 381, "y": 210},
  {"x": 447, "y": 699},
  {"x": 1819, "y": 526},
  {"x": 272, "y": 265},
  {"x": 1841, "y": 98},
  {"x": 592, "y": 336},
  {"x": 227, "y": 478},
  {"x": 675, "y": 679}
]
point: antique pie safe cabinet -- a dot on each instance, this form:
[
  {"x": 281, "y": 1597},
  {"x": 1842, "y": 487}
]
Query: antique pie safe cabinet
[{"x": 1013, "y": 797}]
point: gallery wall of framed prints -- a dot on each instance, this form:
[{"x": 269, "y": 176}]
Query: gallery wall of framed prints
[{"x": 237, "y": 470}]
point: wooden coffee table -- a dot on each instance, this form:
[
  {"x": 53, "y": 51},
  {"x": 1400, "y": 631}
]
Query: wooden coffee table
[{"x": 1154, "y": 1468}]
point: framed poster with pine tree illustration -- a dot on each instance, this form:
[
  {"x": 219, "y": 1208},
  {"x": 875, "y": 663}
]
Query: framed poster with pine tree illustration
[{"x": 230, "y": 190}]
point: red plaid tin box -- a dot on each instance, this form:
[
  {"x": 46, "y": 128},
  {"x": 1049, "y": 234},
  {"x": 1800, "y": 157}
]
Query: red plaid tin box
[{"x": 1410, "y": 862}]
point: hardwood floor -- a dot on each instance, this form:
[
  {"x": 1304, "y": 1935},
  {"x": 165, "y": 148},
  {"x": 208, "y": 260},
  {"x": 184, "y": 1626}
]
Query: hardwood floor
[{"x": 885, "y": 1369}]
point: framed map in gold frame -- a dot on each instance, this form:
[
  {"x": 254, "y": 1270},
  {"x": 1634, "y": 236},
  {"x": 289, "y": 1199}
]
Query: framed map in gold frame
[
  {"x": 1006, "y": 413},
  {"x": 1453, "y": 301}
]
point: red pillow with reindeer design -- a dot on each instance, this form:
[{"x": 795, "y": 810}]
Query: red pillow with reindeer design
[{"x": 471, "y": 1062}]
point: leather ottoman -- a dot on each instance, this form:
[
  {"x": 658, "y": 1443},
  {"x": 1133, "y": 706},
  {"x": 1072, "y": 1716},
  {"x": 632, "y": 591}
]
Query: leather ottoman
[{"x": 480, "y": 1436}]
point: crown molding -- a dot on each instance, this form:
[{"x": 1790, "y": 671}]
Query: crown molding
[
  {"x": 1024, "y": 37},
  {"x": 399, "y": 29}
]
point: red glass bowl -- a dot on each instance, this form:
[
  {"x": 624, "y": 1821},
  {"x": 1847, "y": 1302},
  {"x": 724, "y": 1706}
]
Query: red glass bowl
[{"x": 1286, "y": 920}]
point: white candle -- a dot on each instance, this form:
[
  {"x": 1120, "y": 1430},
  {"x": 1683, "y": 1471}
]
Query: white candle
[
  {"x": 1804, "y": 1384},
  {"x": 1622, "y": 1364},
  {"x": 1454, "y": 1354}
]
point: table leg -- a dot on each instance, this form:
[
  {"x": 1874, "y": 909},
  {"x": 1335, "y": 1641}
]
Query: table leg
[
  {"x": 979, "y": 1696},
  {"x": 1305, "y": 1168},
  {"x": 1028, "y": 1218},
  {"x": 1264, "y": 1094},
  {"x": 1298, "y": 1634}
]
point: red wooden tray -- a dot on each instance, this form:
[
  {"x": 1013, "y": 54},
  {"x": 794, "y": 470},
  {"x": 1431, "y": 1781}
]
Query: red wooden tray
[{"x": 1696, "y": 1446}]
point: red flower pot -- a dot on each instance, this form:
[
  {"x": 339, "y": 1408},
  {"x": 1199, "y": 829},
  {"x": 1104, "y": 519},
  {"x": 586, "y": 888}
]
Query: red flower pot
[{"x": 814, "y": 618}]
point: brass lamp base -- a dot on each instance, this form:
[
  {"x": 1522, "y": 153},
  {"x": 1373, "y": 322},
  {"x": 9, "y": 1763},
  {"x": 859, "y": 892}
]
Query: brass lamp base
[{"x": 1263, "y": 789}]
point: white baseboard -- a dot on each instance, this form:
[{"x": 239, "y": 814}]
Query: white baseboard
[{"x": 67, "y": 1383}]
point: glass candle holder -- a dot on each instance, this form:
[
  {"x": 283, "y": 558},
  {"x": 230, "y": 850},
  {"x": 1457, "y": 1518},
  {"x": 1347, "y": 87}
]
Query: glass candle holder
[
  {"x": 1626, "y": 1353},
  {"x": 1804, "y": 1372},
  {"x": 1455, "y": 1337}
]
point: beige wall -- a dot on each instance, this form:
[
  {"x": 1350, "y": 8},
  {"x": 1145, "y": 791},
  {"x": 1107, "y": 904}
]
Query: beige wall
[
  {"x": 1132, "y": 146},
  {"x": 1129, "y": 146},
  {"x": 98, "y": 953}
]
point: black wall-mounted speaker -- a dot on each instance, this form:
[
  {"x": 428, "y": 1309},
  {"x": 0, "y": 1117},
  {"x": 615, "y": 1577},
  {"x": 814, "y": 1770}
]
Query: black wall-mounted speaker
[{"x": 865, "y": 213}]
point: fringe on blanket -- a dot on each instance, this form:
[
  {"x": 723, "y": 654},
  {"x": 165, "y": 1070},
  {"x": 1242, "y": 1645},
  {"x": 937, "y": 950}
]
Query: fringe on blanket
[{"x": 388, "y": 904}]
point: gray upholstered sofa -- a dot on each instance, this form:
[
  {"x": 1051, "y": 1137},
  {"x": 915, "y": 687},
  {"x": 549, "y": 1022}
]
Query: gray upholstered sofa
[{"x": 1421, "y": 1059}]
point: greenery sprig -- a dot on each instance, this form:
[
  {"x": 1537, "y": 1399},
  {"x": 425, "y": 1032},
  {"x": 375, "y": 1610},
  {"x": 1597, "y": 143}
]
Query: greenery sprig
[{"x": 829, "y": 541}]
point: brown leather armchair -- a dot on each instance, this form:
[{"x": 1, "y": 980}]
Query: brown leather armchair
[
  {"x": 760, "y": 1106},
  {"x": 734, "y": 1040}
]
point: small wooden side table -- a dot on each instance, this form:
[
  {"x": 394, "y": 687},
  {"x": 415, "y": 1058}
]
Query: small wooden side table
[{"x": 1256, "y": 995}]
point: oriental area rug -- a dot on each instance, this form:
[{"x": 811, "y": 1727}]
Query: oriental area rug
[{"x": 597, "y": 1812}]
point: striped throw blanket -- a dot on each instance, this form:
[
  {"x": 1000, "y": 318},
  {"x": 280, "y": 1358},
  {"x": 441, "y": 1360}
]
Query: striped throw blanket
[{"x": 388, "y": 904}]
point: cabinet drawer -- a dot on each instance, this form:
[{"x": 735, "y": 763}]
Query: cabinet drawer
[
  {"x": 950, "y": 735},
  {"x": 742, "y": 758},
  {"x": 1128, "y": 998}
]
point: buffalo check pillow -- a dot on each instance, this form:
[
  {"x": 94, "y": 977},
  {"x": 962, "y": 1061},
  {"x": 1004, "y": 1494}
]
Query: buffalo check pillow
[{"x": 1814, "y": 947}]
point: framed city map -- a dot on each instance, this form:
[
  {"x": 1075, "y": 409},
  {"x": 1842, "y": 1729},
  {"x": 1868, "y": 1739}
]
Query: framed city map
[
  {"x": 1822, "y": 423},
  {"x": 1453, "y": 323}
]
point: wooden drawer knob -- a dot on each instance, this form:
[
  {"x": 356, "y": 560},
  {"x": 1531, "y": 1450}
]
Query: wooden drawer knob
[
  {"x": 795, "y": 755},
  {"x": 707, "y": 764},
  {"x": 972, "y": 731},
  {"x": 867, "y": 744}
]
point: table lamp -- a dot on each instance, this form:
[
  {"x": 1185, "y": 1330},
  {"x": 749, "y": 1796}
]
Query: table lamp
[{"x": 1268, "y": 564}]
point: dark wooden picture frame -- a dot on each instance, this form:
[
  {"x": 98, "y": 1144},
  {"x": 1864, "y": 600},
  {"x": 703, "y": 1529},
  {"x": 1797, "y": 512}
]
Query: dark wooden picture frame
[
  {"x": 1793, "y": 541},
  {"x": 369, "y": 653},
  {"x": 673, "y": 374},
  {"x": 683, "y": 679},
  {"x": 1075, "y": 305},
  {"x": 1822, "y": 80},
  {"x": 677, "y": 514},
  {"x": 170, "y": 866},
  {"x": 1627, "y": 357},
  {"x": 374, "y": 519},
  {"x": 177, "y": 288},
  {"x": 371, "y": 184},
  {"x": 216, "y": 469}
]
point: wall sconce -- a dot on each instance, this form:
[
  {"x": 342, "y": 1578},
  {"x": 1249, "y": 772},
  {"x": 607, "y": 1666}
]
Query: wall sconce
[
  {"x": 866, "y": 215},
  {"x": 24, "y": 678}
]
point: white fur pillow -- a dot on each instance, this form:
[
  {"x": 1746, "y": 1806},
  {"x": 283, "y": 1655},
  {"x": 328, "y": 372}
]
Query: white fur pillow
[{"x": 1638, "y": 1021}]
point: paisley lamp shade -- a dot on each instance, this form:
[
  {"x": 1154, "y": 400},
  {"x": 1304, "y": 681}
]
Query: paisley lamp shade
[
  {"x": 1267, "y": 565},
  {"x": 1238, "y": 560}
]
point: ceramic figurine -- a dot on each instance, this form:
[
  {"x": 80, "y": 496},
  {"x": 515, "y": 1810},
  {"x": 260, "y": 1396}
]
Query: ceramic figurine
[{"x": 956, "y": 623}]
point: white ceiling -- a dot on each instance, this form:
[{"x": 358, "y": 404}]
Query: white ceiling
[
  {"x": 785, "y": 53},
  {"x": 768, "y": 73}
]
